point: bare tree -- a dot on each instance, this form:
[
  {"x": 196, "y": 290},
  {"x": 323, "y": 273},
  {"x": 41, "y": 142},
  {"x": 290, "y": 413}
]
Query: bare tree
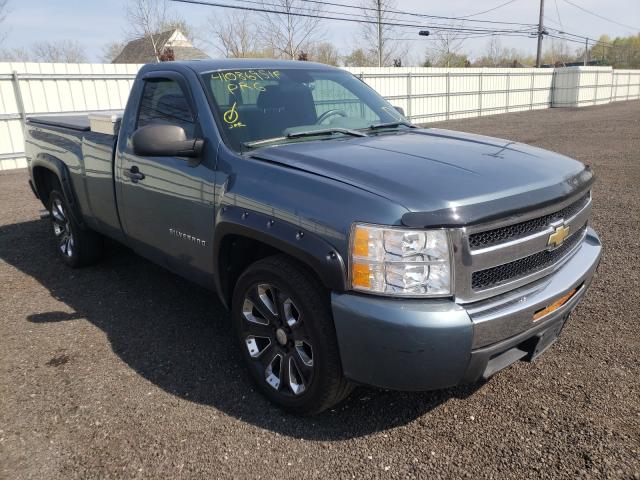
[
  {"x": 19, "y": 54},
  {"x": 378, "y": 34},
  {"x": 63, "y": 51},
  {"x": 494, "y": 53},
  {"x": 326, "y": 53},
  {"x": 234, "y": 36},
  {"x": 145, "y": 20},
  {"x": 149, "y": 18},
  {"x": 3, "y": 16},
  {"x": 111, "y": 50},
  {"x": 286, "y": 33},
  {"x": 558, "y": 53},
  {"x": 445, "y": 48}
]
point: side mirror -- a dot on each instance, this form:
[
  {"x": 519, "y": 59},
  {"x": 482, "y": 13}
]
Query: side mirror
[
  {"x": 165, "y": 141},
  {"x": 400, "y": 110}
]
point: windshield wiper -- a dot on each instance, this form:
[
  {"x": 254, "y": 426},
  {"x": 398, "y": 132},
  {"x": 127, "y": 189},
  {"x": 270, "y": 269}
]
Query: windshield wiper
[
  {"x": 305, "y": 133},
  {"x": 326, "y": 131},
  {"x": 391, "y": 125}
]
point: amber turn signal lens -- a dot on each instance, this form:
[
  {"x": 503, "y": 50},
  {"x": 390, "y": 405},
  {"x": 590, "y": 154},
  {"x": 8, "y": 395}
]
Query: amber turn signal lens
[
  {"x": 361, "y": 275},
  {"x": 361, "y": 243},
  {"x": 554, "y": 306}
]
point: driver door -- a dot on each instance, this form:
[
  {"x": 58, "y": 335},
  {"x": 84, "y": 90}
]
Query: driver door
[{"x": 166, "y": 203}]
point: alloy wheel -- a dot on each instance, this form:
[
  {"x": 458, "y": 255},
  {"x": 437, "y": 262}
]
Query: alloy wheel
[
  {"x": 62, "y": 228},
  {"x": 277, "y": 340}
]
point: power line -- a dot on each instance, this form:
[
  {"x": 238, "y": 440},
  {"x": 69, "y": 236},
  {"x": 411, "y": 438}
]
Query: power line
[
  {"x": 326, "y": 17},
  {"x": 558, "y": 14},
  {"x": 314, "y": 10},
  {"x": 469, "y": 37},
  {"x": 574, "y": 40},
  {"x": 369, "y": 17},
  {"x": 577, "y": 35},
  {"x": 581, "y": 37},
  {"x": 490, "y": 10},
  {"x": 415, "y": 14},
  {"x": 600, "y": 16},
  {"x": 466, "y": 33}
]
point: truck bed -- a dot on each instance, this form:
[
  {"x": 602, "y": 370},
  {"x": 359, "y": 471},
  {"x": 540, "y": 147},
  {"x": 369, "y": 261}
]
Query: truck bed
[
  {"x": 85, "y": 143},
  {"x": 74, "y": 122},
  {"x": 104, "y": 122}
]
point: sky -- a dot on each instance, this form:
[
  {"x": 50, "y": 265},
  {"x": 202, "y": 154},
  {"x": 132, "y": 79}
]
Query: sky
[{"x": 95, "y": 23}]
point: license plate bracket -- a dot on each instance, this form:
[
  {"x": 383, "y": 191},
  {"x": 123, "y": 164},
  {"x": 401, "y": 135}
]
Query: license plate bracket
[{"x": 545, "y": 339}]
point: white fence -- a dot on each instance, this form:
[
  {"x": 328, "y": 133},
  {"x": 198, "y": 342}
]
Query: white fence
[
  {"x": 426, "y": 94},
  {"x": 434, "y": 94},
  {"x": 45, "y": 88}
]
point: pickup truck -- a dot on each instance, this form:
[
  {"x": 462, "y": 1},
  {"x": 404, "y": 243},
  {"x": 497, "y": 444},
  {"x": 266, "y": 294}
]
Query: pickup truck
[{"x": 351, "y": 246}]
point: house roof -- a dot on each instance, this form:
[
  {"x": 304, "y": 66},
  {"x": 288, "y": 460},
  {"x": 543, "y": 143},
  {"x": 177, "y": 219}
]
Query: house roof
[{"x": 141, "y": 50}]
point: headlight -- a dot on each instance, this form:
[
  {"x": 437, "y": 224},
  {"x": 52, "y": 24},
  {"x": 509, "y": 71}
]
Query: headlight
[{"x": 394, "y": 261}]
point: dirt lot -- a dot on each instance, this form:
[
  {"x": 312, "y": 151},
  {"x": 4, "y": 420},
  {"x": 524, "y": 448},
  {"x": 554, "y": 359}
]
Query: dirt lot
[{"x": 124, "y": 370}]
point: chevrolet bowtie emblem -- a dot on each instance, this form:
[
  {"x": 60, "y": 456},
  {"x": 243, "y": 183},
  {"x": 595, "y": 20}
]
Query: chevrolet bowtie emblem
[{"x": 558, "y": 237}]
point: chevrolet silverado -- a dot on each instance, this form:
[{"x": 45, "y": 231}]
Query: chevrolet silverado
[{"x": 350, "y": 245}]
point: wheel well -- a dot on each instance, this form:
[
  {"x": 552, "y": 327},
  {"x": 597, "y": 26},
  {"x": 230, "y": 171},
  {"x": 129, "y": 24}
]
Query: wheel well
[
  {"x": 236, "y": 253},
  {"x": 45, "y": 181}
]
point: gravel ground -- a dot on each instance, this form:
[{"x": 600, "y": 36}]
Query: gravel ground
[{"x": 125, "y": 370}]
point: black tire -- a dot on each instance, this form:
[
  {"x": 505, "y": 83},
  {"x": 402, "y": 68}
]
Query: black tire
[
  {"x": 308, "y": 370},
  {"x": 77, "y": 247}
]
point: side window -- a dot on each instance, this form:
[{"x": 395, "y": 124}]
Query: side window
[{"x": 163, "y": 101}]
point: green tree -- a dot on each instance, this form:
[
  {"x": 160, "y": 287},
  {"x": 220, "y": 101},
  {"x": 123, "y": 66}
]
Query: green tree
[
  {"x": 622, "y": 52},
  {"x": 360, "y": 58}
]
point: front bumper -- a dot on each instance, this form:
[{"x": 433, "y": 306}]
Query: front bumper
[{"x": 408, "y": 344}]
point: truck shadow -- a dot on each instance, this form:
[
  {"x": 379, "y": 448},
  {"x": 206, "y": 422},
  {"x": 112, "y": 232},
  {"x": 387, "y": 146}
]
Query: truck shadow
[{"x": 178, "y": 336}]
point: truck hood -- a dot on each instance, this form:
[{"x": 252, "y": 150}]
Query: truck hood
[{"x": 442, "y": 177}]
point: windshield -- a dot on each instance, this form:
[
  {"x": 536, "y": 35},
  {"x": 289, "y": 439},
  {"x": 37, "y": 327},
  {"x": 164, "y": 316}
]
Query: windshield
[{"x": 258, "y": 105}]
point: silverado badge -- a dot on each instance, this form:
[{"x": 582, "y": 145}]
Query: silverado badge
[
  {"x": 185, "y": 236},
  {"x": 558, "y": 237}
]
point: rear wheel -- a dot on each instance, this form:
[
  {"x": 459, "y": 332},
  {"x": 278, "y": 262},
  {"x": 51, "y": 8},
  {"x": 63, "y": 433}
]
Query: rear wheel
[
  {"x": 75, "y": 246},
  {"x": 287, "y": 336}
]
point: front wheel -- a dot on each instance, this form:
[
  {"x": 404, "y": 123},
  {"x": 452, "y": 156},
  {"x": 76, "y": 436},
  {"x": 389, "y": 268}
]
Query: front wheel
[{"x": 286, "y": 332}]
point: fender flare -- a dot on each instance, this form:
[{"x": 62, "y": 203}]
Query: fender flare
[
  {"x": 308, "y": 248},
  {"x": 61, "y": 171}
]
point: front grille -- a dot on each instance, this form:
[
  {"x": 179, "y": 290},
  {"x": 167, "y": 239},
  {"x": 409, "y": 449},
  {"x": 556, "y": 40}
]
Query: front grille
[
  {"x": 523, "y": 229},
  {"x": 494, "y": 276}
]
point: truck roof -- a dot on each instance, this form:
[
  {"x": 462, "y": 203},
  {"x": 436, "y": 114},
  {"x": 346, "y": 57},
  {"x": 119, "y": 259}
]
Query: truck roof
[{"x": 201, "y": 66}]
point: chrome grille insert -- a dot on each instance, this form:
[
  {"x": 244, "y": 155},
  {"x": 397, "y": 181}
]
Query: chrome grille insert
[
  {"x": 525, "y": 266},
  {"x": 509, "y": 253},
  {"x": 523, "y": 229}
]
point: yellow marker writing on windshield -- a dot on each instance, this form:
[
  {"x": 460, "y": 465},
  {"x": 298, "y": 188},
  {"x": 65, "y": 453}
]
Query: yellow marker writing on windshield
[{"x": 232, "y": 117}]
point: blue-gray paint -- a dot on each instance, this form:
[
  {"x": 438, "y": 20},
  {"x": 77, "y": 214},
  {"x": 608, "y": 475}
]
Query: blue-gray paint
[
  {"x": 402, "y": 344},
  {"x": 417, "y": 177}
]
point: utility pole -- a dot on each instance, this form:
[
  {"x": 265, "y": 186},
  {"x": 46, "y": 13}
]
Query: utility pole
[
  {"x": 586, "y": 50},
  {"x": 379, "y": 4},
  {"x": 540, "y": 32}
]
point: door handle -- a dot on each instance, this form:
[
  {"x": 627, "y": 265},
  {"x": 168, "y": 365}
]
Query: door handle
[{"x": 134, "y": 174}]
